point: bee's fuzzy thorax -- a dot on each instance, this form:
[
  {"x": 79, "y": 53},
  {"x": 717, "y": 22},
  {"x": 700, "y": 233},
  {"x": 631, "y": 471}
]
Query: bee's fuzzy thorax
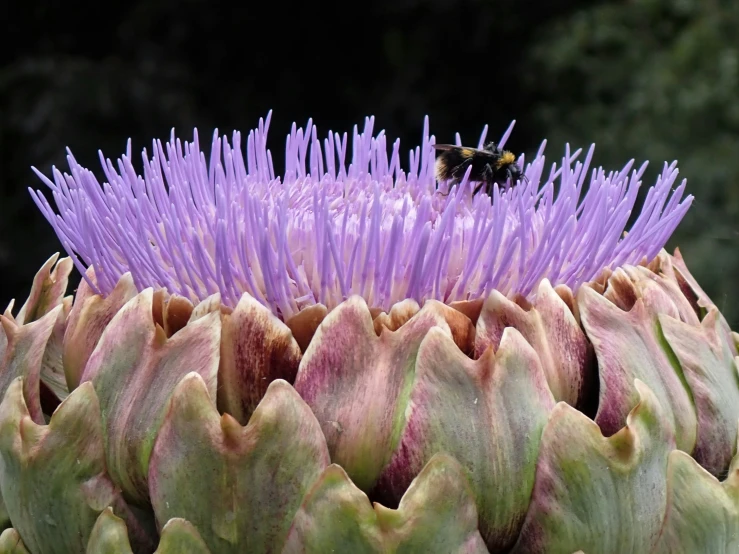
[{"x": 506, "y": 158}]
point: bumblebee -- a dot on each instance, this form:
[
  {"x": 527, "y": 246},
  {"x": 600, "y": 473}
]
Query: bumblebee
[{"x": 490, "y": 165}]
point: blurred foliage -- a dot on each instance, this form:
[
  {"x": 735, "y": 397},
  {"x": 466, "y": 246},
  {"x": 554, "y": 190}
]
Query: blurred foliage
[
  {"x": 656, "y": 80},
  {"x": 649, "y": 79}
]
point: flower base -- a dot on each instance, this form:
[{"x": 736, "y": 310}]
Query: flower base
[{"x": 603, "y": 421}]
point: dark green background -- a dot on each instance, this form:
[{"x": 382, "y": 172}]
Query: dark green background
[{"x": 650, "y": 79}]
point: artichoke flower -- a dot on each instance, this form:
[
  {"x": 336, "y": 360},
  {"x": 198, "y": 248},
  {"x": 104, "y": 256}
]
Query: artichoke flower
[{"x": 350, "y": 359}]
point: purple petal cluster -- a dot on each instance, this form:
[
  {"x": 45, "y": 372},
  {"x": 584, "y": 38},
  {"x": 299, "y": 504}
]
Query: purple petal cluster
[{"x": 340, "y": 223}]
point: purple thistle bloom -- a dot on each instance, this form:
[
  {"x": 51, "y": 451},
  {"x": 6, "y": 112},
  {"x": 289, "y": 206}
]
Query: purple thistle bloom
[{"x": 333, "y": 227}]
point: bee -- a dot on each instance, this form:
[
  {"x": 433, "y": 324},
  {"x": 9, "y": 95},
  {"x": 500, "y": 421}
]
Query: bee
[{"x": 489, "y": 166}]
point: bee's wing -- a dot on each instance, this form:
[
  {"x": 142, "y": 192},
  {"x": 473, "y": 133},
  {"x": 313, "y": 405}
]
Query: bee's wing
[
  {"x": 468, "y": 150},
  {"x": 446, "y": 147}
]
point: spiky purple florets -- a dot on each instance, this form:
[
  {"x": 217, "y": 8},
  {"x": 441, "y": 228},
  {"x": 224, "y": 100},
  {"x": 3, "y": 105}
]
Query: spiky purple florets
[{"x": 327, "y": 230}]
